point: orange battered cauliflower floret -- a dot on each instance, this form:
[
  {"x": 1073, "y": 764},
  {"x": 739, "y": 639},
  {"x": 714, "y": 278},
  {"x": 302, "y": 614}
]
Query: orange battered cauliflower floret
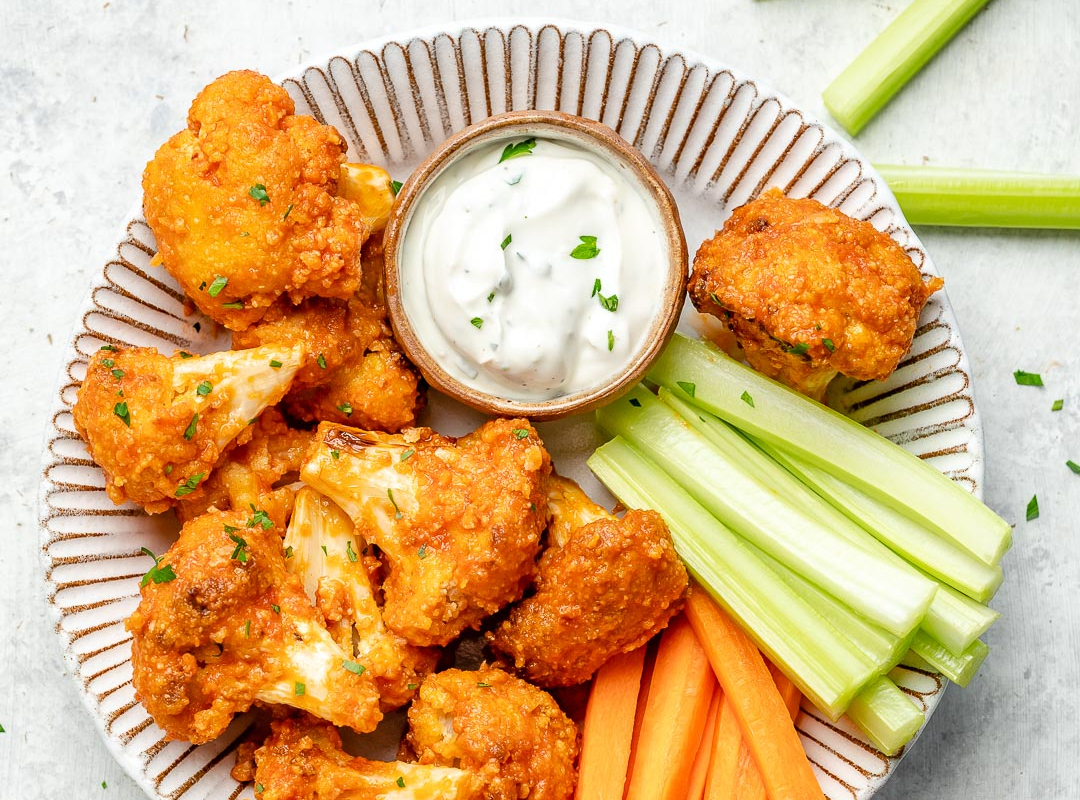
[
  {"x": 810, "y": 292},
  {"x": 243, "y": 203},
  {"x": 512, "y": 736}
]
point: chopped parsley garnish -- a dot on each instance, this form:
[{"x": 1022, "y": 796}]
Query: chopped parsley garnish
[
  {"x": 288, "y": 211},
  {"x": 335, "y": 454},
  {"x": 422, "y": 552},
  {"x": 1073, "y": 466},
  {"x": 477, "y": 322},
  {"x": 202, "y": 286},
  {"x": 259, "y": 788},
  {"x": 1027, "y": 378},
  {"x": 157, "y": 573},
  {"x": 220, "y": 282},
  {"x": 121, "y": 410},
  {"x": 491, "y": 296},
  {"x": 635, "y": 402},
  {"x": 393, "y": 502},
  {"x": 346, "y": 409},
  {"x": 687, "y": 387},
  {"x": 521, "y": 433},
  {"x": 324, "y": 552},
  {"x": 587, "y": 248},
  {"x": 715, "y": 299},
  {"x": 350, "y": 552},
  {"x": 259, "y": 517},
  {"x": 240, "y": 552},
  {"x": 799, "y": 349},
  {"x": 1033, "y": 508},
  {"x": 186, "y": 354},
  {"x": 395, "y": 187},
  {"x": 514, "y": 150},
  {"x": 354, "y": 668},
  {"x": 401, "y": 781},
  {"x": 204, "y": 388},
  {"x": 482, "y": 685},
  {"x": 247, "y": 629},
  {"x": 2, "y": 729},
  {"x": 829, "y": 345},
  {"x": 244, "y": 233},
  {"x": 1058, "y": 405},
  {"x": 236, "y": 304},
  {"x": 509, "y": 238},
  {"x": 407, "y": 454},
  {"x": 108, "y": 362},
  {"x": 411, "y": 686},
  {"x": 321, "y": 361},
  {"x": 110, "y": 348},
  {"x": 289, "y": 551},
  {"x": 118, "y": 373},
  {"x": 746, "y": 398},
  {"x": 610, "y": 303},
  {"x": 189, "y": 432},
  {"x": 610, "y": 341},
  {"x": 258, "y": 192},
  {"x": 104, "y": 785},
  {"x": 168, "y": 469},
  {"x": 275, "y": 363},
  {"x": 595, "y": 287},
  {"x": 275, "y": 608},
  {"x": 299, "y": 688},
  {"x": 189, "y": 486}
]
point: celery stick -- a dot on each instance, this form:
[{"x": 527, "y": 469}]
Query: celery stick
[
  {"x": 833, "y": 442},
  {"x": 893, "y": 58},
  {"x": 879, "y": 645},
  {"x": 957, "y": 669},
  {"x": 922, "y": 547},
  {"x": 886, "y": 715},
  {"x": 825, "y": 666},
  {"x": 973, "y": 197},
  {"x": 883, "y": 593},
  {"x": 952, "y": 618}
]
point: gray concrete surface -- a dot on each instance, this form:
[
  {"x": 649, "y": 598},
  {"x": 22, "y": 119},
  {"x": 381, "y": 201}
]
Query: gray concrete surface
[{"x": 88, "y": 90}]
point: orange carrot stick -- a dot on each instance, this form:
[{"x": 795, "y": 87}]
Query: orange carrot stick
[
  {"x": 748, "y": 784},
  {"x": 788, "y": 690},
  {"x": 642, "y": 702},
  {"x": 726, "y": 745},
  {"x": 678, "y": 704},
  {"x": 763, "y": 717},
  {"x": 699, "y": 774},
  {"x": 609, "y": 726}
]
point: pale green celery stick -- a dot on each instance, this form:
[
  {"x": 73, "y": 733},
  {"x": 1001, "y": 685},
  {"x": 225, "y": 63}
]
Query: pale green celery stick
[
  {"x": 830, "y": 440},
  {"x": 922, "y": 547},
  {"x": 879, "y": 645},
  {"x": 960, "y": 669},
  {"x": 952, "y": 618},
  {"x": 826, "y": 666},
  {"x": 893, "y": 58},
  {"x": 987, "y": 198},
  {"x": 883, "y": 593},
  {"x": 886, "y": 715}
]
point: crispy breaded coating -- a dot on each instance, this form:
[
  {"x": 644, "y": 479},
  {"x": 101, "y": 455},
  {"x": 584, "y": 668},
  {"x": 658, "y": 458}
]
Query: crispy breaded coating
[
  {"x": 247, "y": 195},
  {"x": 227, "y": 625},
  {"x": 304, "y": 760},
  {"x": 157, "y": 425},
  {"x": 809, "y": 291},
  {"x": 512, "y": 736},
  {"x": 604, "y": 586},
  {"x": 458, "y": 522}
]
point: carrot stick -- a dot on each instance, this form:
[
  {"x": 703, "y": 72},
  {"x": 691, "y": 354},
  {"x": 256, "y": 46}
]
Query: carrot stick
[
  {"x": 699, "y": 774},
  {"x": 609, "y": 725},
  {"x": 788, "y": 690},
  {"x": 678, "y": 704},
  {"x": 723, "y": 768},
  {"x": 763, "y": 717},
  {"x": 748, "y": 783},
  {"x": 642, "y": 702}
]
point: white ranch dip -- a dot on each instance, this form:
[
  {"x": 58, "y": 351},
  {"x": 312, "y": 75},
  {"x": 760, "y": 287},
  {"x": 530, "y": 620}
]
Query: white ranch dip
[{"x": 534, "y": 276}]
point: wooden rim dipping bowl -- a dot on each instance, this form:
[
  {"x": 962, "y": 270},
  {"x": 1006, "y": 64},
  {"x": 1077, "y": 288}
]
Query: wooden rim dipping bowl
[{"x": 600, "y": 140}]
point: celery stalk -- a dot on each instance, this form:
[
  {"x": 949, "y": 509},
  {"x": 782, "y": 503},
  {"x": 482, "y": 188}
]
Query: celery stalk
[
  {"x": 825, "y": 666},
  {"x": 987, "y": 198},
  {"x": 893, "y": 58},
  {"x": 882, "y": 592},
  {"x": 958, "y": 669},
  {"x": 952, "y": 618},
  {"x": 833, "y": 442},
  {"x": 924, "y": 548},
  {"x": 886, "y": 715}
]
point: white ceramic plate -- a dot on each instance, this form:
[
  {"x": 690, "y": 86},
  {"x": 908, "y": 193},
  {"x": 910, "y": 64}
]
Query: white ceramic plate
[{"x": 716, "y": 135}]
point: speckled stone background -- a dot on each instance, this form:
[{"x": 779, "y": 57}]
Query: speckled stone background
[{"x": 89, "y": 89}]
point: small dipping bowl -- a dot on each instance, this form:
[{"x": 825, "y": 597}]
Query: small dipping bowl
[{"x": 606, "y": 145}]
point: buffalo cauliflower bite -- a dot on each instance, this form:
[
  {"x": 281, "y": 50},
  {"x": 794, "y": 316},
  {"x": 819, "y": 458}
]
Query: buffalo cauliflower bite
[
  {"x": 810, "y": 292},
  {"x": 458, "y": 522},
  {"x": 304, "y": 760},
  {"x": 512, "y": 736},
  {"x": 157, "y": 425},
  {"x": 604, "y": 586},
  {"x": 243, "y": 203},
  {"x": 222, "y": 624},
  {"x": 322, "y": 549}
]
